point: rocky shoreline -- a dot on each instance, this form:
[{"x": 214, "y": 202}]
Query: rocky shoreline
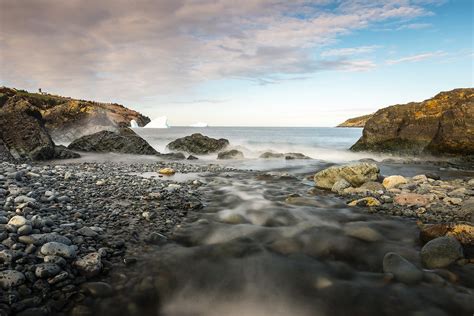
[
  {"x": 63, "y": 227},
  {"x": 68, "y": 231}
]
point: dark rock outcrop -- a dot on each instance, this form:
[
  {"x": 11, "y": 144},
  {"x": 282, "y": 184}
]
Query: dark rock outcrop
[
  {"x": 443, "y": 124},
  {"x": 231, "y": 154},
  {"x": 287, "y": 156},
  {"x": 359, "y": 121},
  {"x": 67, "y": 119},
  {"x": 23, "y": 135},
  {"x": 125, "y": 141},
  {"x": 198, "y": 144}
]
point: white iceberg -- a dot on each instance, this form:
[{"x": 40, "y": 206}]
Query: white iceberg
[
  {"x": 160, "y": 122},
  {"x": 199, "y": 124},
  {"x": 133, "y": 124}
]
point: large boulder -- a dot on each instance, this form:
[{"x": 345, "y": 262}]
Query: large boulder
[
  {"x": 443, "y": 124},
  {"x": 125, "y": 141},
  {"x": 198, "y": 144},
  {"x": 230, "y": 154},
  {"x": 23, "y": 134},
  {"x": 356, "y": 174},
  {"x": 67, "y": 119}
]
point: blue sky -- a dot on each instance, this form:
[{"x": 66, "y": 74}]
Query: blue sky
[{"x": 257, "y": 63}]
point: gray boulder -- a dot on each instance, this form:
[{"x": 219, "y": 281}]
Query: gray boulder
[
  {"x": 198, "y": 144},
  {"x": 230, "y": 154},
  {"x": 124, "y": 141},
  {"x": 441, "y": 252}
]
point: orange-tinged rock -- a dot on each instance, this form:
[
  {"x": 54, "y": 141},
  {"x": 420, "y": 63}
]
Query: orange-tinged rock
[
  {"x": 407, "y": 199},
  {"x": 167, "y": 171},
  {"x": 463, "y": 232}
]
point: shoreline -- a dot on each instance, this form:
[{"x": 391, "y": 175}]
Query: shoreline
[{"x": 113, "y": 214}]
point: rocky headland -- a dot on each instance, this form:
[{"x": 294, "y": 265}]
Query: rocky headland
[
  {"x": 358, "y": 121},
  {"x": 442, "y": 125},
  {"x": 67, "y": 119}
]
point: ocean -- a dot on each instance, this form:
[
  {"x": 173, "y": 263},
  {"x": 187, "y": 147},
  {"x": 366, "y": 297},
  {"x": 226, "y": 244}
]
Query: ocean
[{"x": 324, "y": 143}]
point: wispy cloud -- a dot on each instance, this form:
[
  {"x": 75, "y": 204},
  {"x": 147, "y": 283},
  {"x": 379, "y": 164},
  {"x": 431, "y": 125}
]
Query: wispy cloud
[
  {"x": 350, "y": 51},
  {"x": 112, "y": 49},
  {"x": 415, "y": 26},
  {"x": 416, "y": 58}
]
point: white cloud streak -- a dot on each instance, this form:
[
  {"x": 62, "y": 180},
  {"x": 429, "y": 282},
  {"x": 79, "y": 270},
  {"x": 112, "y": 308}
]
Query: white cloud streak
[{"x": 416, "y": 58}]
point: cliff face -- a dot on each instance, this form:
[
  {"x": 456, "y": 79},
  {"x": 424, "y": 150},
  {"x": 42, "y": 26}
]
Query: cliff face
[
  {"x": 359, "y": 121},
  {"x": 67, "y": 119},
  {"x": 443, "y": 124}
]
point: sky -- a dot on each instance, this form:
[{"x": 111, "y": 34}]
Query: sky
[{"x": 239, "y": 63}]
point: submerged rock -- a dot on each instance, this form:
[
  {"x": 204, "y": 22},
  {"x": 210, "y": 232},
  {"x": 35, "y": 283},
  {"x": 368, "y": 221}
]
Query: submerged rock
[
  {"x": 402, "y": 269},
  {"x": 198, "y": 144},
  {"x": 441, "y": 252},
  {"x": 230, "y": 154},
  {"x": 125, "y": 141},
  {"x": 356, "y": 174},
  {"x": 287, "y": 156}
]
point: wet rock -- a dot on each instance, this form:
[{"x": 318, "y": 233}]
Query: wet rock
[
  {"x": 167, "y": 171},
  {"x": 47, "y": 270},
  {"x": 394, "y": 181},
  {"x": 98, "y": 289},
  {"x": 402, "y": 269},
  {"x": 287, "y": 156},
  {"x": 411, "y": 199},
  {"x": 356, "y": 174},
  {"x": 58, "y": 249},
  {"x": 172, "y": 156},
  {"x": 373, "y": 186},
  {"x": 124, "y": 141},
  {"x": 230, "y": 217},
  {"x": 463, "y": 232},
  {"x": 340, "y": 185},
  {"x": 231, "y": 154},
  {"x": 191, "y": 157},
  {"x": 11, "y": 278},
  {"x": 441, "y": 252},
  {"x": 367, "y": 201},
  {"x": 90, "y": 265},
  {"x": 198, "y": 144},
  {"x": 362, "y": 232}
]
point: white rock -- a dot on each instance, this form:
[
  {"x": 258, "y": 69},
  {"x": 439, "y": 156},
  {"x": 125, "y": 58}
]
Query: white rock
[
  {"x": 58, "y": 249},
  {"x": 17, "y": 221}
]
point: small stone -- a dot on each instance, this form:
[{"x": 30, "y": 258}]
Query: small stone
[
  {"x": 87, "y": 231},
  {"x": 167, "y": 171},
  {"x": 17, "y": 221},
  {"x": 452, "y": 201},
  {"x": 24, "y": 199},
  {"x": 394, "y": 181},
  {"x": 11, "y": 278},
  {"x": 402, "y": 269},
  {"x": 410, "y": 199},
  {"x": 58, "y": 249},
  {"x": 441, "y": 252},
  {"x": 25, "y": 230},
  {"x": 47, "y": 270},
  {"x": 340, "y": 185},
  {"x": 90, "y": 265},
  {"x": 362, "y": 232},
  {"x": 367, "y": 201}
]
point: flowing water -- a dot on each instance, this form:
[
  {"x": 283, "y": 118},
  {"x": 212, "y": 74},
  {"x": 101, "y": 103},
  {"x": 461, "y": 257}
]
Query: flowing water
[{"x": 267, "y": 243}]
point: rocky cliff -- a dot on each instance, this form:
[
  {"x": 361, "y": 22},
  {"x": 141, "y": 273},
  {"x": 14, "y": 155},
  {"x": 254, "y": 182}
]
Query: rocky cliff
[
  {"x": 67, "y": 119},
  {"x": 356, "y": 121},
  {"x": 443, "y": 124}
]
